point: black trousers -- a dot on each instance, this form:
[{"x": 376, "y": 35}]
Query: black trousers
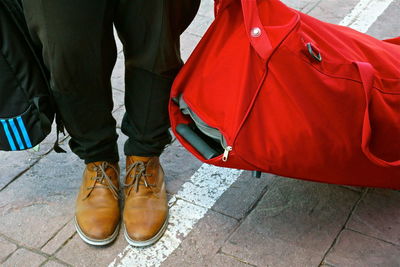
[{"x": 76, "y": 38}]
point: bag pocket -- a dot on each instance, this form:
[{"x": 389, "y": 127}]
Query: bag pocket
[{"x": 23, "y": 131}]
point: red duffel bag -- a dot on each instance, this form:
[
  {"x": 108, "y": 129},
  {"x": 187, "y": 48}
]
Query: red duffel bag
[{"x": 293, "y": 96}]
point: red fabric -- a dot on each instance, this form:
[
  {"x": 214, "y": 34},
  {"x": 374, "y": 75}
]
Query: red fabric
[{"x": 285, "y": 112}]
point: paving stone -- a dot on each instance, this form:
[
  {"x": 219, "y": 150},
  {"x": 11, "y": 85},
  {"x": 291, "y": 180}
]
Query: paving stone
[
  {"x": 354, "y": 249},
  {"x": 221, "y": 260},
  {"x": 390, "y": 17},
  {"x": 118, "y": 99},
  {"x": 188, "y": 43},
  {"x": 355, "y": 188},
  {"x": 295, "y": 223},
  {"x": 333, "y": 11},
  {"x": 118, "y": 74},
  {"x": 118, "y": 114},
  {"x": 199, "y": 25},
  {"x": 16, "y": 162},
  {"x": 200, "y": 246},
  {"x": 40, "y": 202},
  {"x": 6, "y": 248},
  {"x": 242, "y": 195},
  {"x": 23, "y": 257},
  {"x": 78, "y": 253},
  {"x": 302, "y": 5},
  {"x": 378, "y": 215},
  {"x": 206, "y": 8},
  {"x": 61, "y": 237},
  {"x": 53, "y": 264},
  {"x": 179, "y": 165}
]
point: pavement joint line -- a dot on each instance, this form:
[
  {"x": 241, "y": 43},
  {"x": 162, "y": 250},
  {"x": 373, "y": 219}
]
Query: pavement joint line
[
  {"x": 349, "y": 187},
  {"x": 63, "y": 245},
  {"x": 55, "y": 234},
  {"x": 19, "y": 174},
  {"x": 203, "y": 190},
  {"x": 19, "y": 246},
  {"x": 325, "y": 264},
  {"x": 365, "y": 13},
  {"x": 362, "y": 195},
  {"x": 56, "y": 260},
  {"x": 361, "y": 18},
  {"x": 236, "y": 258},
  {"x": 241, "y": 220},
  {"x": 34, "y": 250},
  {"x": 37, "y": 160},
  {"x": 194, "y": 34},
  {"x": 119, "y": 90},
  {"x": 313, "y": 7},
  {"x": 253, "y": 205},
  {"x": 373, "y": 237}
]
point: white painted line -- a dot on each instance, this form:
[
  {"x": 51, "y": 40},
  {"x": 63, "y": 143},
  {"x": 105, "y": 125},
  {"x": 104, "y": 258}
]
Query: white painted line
[
  {"x": 365, "y": 13},
  {"x": 198, "y": 195},
  {"x": 189, "y": 205}
]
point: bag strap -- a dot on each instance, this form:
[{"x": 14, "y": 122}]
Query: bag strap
[
  {"x": 14, "y": 8},
  {"x": 255, "y": 30},
  {"x": 367, "y": 73}
]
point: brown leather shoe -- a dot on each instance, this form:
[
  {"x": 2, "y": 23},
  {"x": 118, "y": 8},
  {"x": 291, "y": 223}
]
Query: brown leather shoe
[
  {"x": 145, "y": 214},
  {"x": 97, "y": 213}
]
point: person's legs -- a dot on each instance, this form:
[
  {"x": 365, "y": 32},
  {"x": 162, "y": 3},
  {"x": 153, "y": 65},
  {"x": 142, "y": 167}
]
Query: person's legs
[
  {"x": 77, "y": 42},
  {"x": 78, "y": 48},
  {"x": 149, "y": 31}
]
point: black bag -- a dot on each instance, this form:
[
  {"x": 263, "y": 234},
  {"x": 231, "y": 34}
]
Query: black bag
[{"x": 27, "y": 109}]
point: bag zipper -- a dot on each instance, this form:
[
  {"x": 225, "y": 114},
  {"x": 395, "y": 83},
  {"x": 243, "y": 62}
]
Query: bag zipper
[{"x": 226, "y": 153}]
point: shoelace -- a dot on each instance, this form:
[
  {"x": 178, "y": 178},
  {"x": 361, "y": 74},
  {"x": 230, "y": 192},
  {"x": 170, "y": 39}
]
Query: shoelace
[
  {"x": 103, "y": 179},
  {"x": 138, "y": 175}
]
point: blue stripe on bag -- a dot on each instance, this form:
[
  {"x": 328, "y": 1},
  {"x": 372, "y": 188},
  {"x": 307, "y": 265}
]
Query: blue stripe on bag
[
  {"x": 8, "y": 134},
  {"x": 16, "y": 133},
  {"x": 24, "y": 132}
]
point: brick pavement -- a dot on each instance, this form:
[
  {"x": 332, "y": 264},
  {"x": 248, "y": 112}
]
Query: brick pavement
[{"x": 270, "y": 221}]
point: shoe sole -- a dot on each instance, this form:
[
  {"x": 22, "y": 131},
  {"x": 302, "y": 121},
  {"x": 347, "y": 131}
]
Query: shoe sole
[
  {"x": 150, "y": 241},
  {"x": 95, "y": 242}
]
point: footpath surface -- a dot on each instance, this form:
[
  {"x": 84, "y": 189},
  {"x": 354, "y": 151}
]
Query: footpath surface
[{"x": 219, "y": 217}]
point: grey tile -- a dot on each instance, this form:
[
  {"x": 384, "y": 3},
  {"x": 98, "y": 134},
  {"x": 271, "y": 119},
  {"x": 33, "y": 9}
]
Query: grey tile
[
  {"x": 179, "y": 165},
  {"x": 301, "y": 5},
  {"x": 354, "y": 249},
  {"x": 207, "y": 8},
  {"x": 390, "y": 17},
  {"x": 23, "y": 257},
  {"x": 188, "y": 43},
  {"x": 242, "y": 195},
  {"x": 200, "y": 25},
  {"x": 16, "y": 162},
  {"x": 53, "y": 264},
  {"x": 378, "y": 215},
  {"x": 6, "y": 248},
  {"x": 60, "y": 238},
  {"x": 221, "y": 260},
  {"x": 72, "y": 252},
  {"x": 293, "y": 225},
  {"x": 118, "y": 75},
  {"x": 201, "y": 245},
  {"x": 333, "y": 11},
  {"x": 40, "y": 202}
]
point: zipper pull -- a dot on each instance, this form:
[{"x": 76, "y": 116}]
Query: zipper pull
[{"x": 226, "y": 153}]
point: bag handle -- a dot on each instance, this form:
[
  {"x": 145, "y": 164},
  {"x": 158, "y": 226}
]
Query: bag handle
[
  {"x": 255, "y": 30},
  {"x": 367, "y": 73}
]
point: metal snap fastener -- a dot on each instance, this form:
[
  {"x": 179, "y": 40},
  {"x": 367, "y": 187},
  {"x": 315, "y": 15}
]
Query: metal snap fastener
[{"x": 255, "y": 32}]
